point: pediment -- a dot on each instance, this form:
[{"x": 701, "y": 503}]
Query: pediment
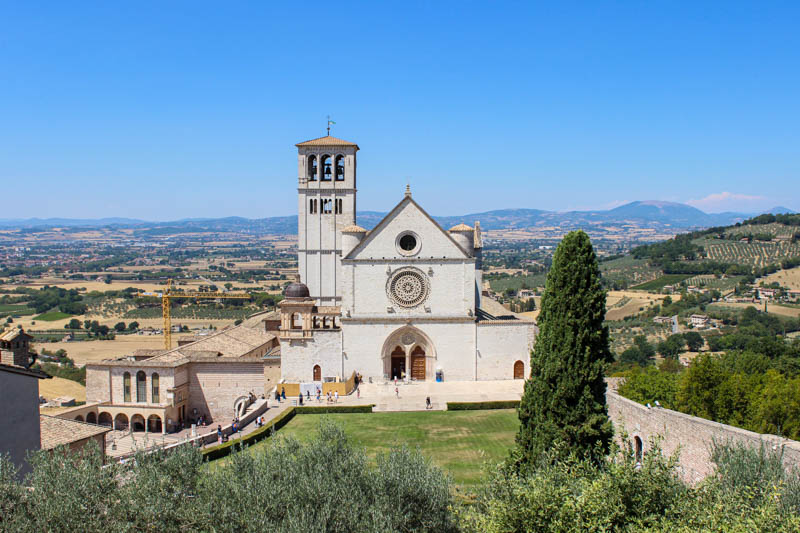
[{"x": 407, "y": 218}]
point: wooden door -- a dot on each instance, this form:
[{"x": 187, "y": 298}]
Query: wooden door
[
  {"x": 317, "y": 373},
  {"x": 519, "y": 370},
  {"x": 418, "y": 367}
]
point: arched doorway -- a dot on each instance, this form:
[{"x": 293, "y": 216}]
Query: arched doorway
[
  {"x": 137, "y": 422},
  {"x": 121, "y": 422},
  {"x": 79, "y": 418},
  {"x": 91, "y": 417},
  {"x": 398, "y": 363},
  {"x": 317, "y": 373},
  {"x": 154, "y": 423},
  {"x": 519, "y": 370},
  {"x": 408, "y": 350},
  {"x": 104, "y": 419},
  {"x": 418, "y": 363}
]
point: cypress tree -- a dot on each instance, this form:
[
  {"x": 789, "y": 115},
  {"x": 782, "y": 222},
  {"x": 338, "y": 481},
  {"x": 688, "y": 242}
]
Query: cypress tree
[{"x": 564, "y": 403}]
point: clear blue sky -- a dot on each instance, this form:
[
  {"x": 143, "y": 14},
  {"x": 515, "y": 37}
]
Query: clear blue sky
[{"x": 165, "y": 110}]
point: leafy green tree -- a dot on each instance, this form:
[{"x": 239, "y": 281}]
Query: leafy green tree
[
  {"x": 74, "y": 324},
  {"x": 640, "y": 341},
  {"x": 120, "y": 327},
  {"x": 694, "y": 341},
  {"x": 632, "y": 354},
  {"x": 672, "y": 346},
  {"x": 133, "y": 326},
  {"x": 697, "y": 391},
  {"x": 564, "y": 400},
  {"x": 649, "y": 386}
]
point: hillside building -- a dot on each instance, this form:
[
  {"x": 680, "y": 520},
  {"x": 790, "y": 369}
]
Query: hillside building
[{"x": 160, "y": 391}]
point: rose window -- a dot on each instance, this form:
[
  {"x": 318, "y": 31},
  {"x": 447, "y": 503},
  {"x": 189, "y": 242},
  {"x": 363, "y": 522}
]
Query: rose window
[{"x": 408, "y": 288}]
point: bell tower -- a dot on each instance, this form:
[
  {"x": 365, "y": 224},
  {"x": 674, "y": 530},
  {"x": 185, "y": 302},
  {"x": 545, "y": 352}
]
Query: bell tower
[{"x": 326, "y": 187}]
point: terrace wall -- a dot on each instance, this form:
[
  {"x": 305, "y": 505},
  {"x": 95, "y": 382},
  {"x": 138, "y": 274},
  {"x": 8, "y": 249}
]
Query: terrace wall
[{"x": 689, "y": 434}]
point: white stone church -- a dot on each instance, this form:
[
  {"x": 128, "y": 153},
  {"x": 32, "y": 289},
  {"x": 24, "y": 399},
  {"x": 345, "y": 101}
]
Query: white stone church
[{"x": 402, "y": 300}]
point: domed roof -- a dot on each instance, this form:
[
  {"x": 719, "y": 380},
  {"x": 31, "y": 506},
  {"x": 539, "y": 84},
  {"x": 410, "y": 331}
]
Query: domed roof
[
  {"x": 354, "y": 229},
  {"x": 296, "y": 290},
  {"x": 461, "y": 227}
]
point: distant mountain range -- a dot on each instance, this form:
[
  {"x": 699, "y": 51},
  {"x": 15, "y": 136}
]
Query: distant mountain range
[{"x": 644, "y": 213}]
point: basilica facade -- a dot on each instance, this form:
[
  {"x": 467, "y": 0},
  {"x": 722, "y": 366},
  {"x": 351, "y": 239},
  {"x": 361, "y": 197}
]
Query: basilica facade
[{"x": 403, "y": 300}]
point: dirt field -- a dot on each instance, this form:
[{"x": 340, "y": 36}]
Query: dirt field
[
  {"x": 620, "y": 304},
  {"x": 786, "y": 278},
  {"x": 60, "y": 387},
  {"x": 771, "y": 308},
  {"x": 83, "y": 352}
]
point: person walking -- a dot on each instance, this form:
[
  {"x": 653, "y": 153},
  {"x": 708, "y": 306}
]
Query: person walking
[
  {"x": 300, "y": 397},
  {"x": 396, "y": 392},
  {"x": 428, "y": 403},
  {"x": 283, "y": 393},
  {"x": 358, "y": 393},
  {"x": 336, "y": 396}
]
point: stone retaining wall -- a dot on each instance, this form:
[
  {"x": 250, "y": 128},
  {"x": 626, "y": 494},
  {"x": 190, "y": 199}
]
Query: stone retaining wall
[{"x": 691, "y": 434}]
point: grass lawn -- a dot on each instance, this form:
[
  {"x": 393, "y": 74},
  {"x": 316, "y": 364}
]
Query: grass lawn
[
  {"x": 460, "y": 442},
  {"x": 52, "y": 316}
]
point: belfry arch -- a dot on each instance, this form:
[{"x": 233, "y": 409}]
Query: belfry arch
[{"x": 411, "y": 351}]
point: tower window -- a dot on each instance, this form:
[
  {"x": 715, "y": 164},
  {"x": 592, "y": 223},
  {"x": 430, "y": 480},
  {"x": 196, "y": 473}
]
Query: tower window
[
  {"x": 338, "y": 206},
  {"x": 339, "y": 168},
  {"x": 312, "y": 206},
  {"x": 327, "y": 207},
  {"x": 327, "y": 170},
  {"x": 312, "y": 168}
]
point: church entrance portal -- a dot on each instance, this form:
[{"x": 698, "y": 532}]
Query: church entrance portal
[
  {"x": 408, "y": 353},
  {"x": 398, "y": 364},
  {"x": 418, "y": 363}
]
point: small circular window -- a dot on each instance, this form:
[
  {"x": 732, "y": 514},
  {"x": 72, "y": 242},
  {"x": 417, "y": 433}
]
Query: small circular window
[{"x": 407, "y": 243}]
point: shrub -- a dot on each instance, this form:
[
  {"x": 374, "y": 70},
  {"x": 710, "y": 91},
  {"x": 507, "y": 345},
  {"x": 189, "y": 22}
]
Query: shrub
[
  {"x": 323, "y": 485},
  {"x": 477, "y": 406}
]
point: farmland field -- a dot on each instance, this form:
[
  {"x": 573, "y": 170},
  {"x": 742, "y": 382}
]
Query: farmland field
[
  {"x": 52, "y": 316},
  {"x": 15, "y": 309},
  {"x": 785, "y": 278},
  {"x": 56, "y": 387},
  {"x": 755, "y": 253},
  {"x": 659, "y": 283},
  {"x": 773, "y": 309},
  {"x": 518, "y": 282}
]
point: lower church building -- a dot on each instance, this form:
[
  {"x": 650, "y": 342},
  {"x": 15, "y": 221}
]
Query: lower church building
[{"x": 402, "y": 300}]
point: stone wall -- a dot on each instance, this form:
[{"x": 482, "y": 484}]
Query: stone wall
[
  {"x": 691, "y": 434},
  {"x": 215, "y": 386},
  {"x": 298, "y": 357},
  {"x": 500, "y": 344}
]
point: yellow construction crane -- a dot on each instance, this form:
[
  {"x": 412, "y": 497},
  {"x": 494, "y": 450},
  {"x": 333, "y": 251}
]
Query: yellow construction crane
[{"x": 168, "y": 294}]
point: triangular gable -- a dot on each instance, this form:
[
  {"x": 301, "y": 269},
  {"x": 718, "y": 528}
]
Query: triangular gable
[{"x": 434, "y": 237}]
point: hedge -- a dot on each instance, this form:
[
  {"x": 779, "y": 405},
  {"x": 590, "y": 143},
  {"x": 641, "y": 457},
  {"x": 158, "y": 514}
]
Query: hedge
[
  {"x": 477, "y": 406},
  {"x": 222, "y": 450}
]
